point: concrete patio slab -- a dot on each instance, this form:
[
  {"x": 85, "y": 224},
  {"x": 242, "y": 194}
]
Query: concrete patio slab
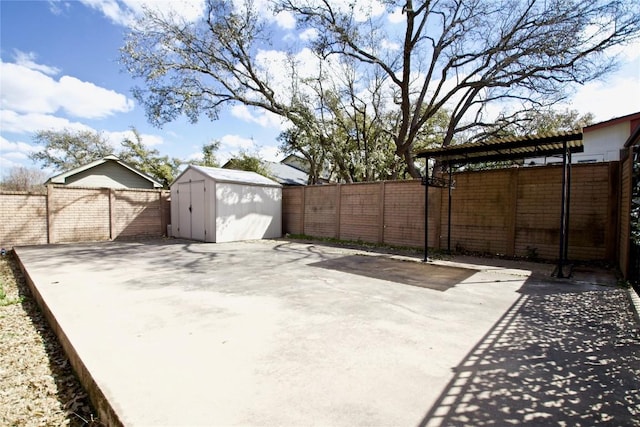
[{"x": 268, "y": 332}]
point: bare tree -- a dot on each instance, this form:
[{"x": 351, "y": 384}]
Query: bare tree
[
  {"x": 466, "y": 54},
  {"x": 458, "y": 55},
  {"x": 20, "y": 178}
]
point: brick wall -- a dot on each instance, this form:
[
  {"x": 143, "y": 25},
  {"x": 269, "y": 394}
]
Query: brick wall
[
  {"x": 138, "y": 213},
  {"x": 382, "y": 212},
  {"x": 321, "y": 211},
  {"x": 482, "y": 207},
  {"x": 293, "y": 210},
  {"x": 23, "y": 219},
  {"x": 514, "y": 212},
  {"x": 76, "y": 214}
]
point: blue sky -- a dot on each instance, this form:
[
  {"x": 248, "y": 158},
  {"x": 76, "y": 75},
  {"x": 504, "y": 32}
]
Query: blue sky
[{"x": 60, "y": 69}]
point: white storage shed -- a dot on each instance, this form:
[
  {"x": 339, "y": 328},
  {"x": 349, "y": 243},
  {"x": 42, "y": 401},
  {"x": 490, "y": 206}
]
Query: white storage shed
[{"x": 225, "y": 205}]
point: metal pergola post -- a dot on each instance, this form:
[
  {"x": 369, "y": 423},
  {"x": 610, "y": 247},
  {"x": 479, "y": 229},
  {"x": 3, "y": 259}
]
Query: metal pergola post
[
  {"x": 513, "y": 148},
  {"x": 426, "y": 210},
  {"x": 563, "y": 214},
  {"x": 566, "y": 233},
  {"x": 449, "y": 211}
]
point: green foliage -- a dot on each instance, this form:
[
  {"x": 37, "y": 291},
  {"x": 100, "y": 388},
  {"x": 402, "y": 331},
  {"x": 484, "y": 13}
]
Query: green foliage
[
  {"x": 68, "y": 149},
  {"x": 545, "y": 121},
  {"x": 250, "y": 162},
  {"x": 135, "y": 153},
  {"x": 209, "y": 154}
]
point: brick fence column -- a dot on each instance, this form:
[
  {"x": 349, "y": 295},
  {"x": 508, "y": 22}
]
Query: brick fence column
[
  {"x": 112, "y": 214},
  {"x": 50, "y": 215}
]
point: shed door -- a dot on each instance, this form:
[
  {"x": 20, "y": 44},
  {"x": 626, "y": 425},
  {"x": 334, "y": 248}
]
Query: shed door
[
  {"x": 191, "y": 215},
  {"x": 197, "y": 210},
  {"x": 184, "y": 210}
]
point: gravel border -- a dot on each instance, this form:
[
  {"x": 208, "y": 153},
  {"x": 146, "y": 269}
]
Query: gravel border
[{"x": 39, "y": 386}]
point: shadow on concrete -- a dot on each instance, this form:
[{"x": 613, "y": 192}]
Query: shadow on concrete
[
  {"x": 563, "y": 354},
  {"x": 436, "y": 277}
]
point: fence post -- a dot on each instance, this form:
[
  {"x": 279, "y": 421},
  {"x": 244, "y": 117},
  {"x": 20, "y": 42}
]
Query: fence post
[
  {"x": 510, "y": 245},
  {"x": 612, "y": 230},
  {"x": 381, "y": 214},
  {"x": 112, "y": 207},
  {"x": 338, "y": 201},
  {"x": 303, "y": 204},
  {"x": 163, "y": 219},
  {"x": 50, "y": 215}
]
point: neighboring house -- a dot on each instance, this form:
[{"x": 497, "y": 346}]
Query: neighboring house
[
  {"x": 602, "y": 141},
  {"x": 302, "y": 164},
  {"x": 281, "y": 173},
  {"x": 287, "y": 175},
  {"x": 296, "y": 162},
  {"x": 108, "y": 172}
]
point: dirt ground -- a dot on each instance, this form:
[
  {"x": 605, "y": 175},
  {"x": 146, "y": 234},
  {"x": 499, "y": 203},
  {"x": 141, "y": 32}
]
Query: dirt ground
[{"x": 39, "y": 387}]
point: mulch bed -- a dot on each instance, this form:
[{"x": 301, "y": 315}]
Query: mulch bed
[{"x": 39, "y": 387}]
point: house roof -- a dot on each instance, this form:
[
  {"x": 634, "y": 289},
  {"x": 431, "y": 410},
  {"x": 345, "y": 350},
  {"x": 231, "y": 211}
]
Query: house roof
[
  {"x": 513, "y": 148},
  {"x": 231, "y": 176},
  {"x": 286, "y": 174},
  {"x": 62, "y": 178},
  {"x": 616, "y": 120}
]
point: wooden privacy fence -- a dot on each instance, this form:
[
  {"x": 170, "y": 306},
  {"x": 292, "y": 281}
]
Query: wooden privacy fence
[
  {"x": 513, "y": 212},
  {"x": 76, "y": 214}
]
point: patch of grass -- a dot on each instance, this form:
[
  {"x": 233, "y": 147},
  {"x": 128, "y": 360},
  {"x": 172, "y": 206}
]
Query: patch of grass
[{"x": 5, "y": 300}]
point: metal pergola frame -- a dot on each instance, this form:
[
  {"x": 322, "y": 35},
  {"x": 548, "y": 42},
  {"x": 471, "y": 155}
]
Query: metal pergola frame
[{"x": 508, "y": 149}]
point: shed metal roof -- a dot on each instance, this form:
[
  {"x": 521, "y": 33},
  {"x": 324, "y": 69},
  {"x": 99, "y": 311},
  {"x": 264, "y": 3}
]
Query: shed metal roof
[
  {"x": 513, "y": 148},
  {"x": 234, "y": 176}
]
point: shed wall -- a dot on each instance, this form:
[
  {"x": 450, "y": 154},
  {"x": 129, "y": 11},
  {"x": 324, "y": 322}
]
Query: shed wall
[{"x": 246, "y": 212}]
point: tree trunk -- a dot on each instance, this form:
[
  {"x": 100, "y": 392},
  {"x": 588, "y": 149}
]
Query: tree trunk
[{"x": 411, "y": 166}]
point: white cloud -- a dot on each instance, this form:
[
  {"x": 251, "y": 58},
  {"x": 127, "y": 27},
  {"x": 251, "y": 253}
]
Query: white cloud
[
  {"x": 115, "y": 138},
  {"x": 14, "y": 154},
  {"x": 396, "y": 17},
  {"x": 86, "y": 100},
  {"x": 269, "y": 153},
  {"x": 33, "y": 122},
  {"x": 369, "y": 9},
  {"x": 29, "y": 90},
  {"x": 389, "y": 45},
  {"x": 236, "y": 142},
  {"x": 263, "y": 118},
  {"x": 285, "y": 20},
  {"x": 17, "y": 150},
  {"x": 309, "y": 35},
  {"x": 125, "y": 12},
  {"x": 27, "y": 60},
  {"x": 608, "y": 99}
]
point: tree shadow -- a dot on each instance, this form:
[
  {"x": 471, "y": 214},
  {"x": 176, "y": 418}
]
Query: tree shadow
[
  {"x": 431, "y": 276},
  {"x": 563, "y": 354}
]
